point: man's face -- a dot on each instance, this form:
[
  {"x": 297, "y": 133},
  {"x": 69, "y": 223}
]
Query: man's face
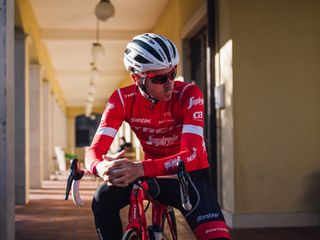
[{"x": 155, "y": 87}]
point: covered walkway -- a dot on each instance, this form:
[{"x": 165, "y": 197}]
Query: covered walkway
[{"x": 48, "y": 216}]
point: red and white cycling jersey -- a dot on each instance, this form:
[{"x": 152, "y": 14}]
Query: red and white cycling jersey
[{"x": 168, "y": 131}]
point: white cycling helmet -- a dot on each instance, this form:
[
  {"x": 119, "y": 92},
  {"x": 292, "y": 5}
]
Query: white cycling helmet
[{"x": 148, "y": 52}]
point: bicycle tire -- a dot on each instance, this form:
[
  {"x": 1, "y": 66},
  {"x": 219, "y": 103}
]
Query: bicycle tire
[
  {"x": 131, "y": 234},
  {"x": 167, "y": 232}
]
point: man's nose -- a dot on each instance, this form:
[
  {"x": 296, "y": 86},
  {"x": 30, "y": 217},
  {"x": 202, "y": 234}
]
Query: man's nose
[{"x": 167, "y": 83}]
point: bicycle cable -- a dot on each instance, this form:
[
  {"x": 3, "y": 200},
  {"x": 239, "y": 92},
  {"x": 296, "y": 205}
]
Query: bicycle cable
[{"x": 146, "y": 192}]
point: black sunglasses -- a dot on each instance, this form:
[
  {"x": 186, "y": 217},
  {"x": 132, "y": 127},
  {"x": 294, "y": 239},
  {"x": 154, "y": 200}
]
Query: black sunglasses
[{"x": 161, "y": 79}]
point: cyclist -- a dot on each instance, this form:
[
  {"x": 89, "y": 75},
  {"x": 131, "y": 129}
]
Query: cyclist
[{"x": 167, "y": 116}]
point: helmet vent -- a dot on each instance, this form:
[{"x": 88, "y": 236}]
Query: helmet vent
[
  {"x": 141, "y": 59},
  {"x": 173, "y": 49},
  {"x": 164, "y": 47},
  {"x": 127, "y": 51},
  {"x": 148, "y": 48}
]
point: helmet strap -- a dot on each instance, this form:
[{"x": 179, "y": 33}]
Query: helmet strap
[
  {"x": 143, "y": 89},
  {"x": 141, "y": 83}
]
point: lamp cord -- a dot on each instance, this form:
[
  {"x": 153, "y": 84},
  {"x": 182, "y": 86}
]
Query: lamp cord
[{"x": 97, "y": 33}]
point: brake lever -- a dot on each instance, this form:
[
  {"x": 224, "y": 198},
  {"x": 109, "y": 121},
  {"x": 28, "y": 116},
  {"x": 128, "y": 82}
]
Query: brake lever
[
  {"x": 74, "y": 174},
  {"x": 183, "y": 177}
]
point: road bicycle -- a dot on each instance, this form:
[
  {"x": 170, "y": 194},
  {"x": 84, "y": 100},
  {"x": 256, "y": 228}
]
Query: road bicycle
[{"x": 163, "y": 226}]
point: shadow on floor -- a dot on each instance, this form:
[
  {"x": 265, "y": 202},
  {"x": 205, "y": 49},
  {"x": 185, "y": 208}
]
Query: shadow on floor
[{"x": 48, "y": 216}]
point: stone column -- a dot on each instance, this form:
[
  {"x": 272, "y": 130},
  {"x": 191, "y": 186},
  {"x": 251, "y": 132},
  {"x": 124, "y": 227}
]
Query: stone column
[
  {"x": 46, "y": 136},
  {"x": 21, "y": 188},
  {"x": 7, "y": 119},
  {"x": 71, "y": 137},
  {"x": 52, "y": 155},
  {"x": 36, "y": 138}
]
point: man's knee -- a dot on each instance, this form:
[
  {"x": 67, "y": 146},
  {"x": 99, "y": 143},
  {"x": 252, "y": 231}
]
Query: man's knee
[
  {"x": 212, "y": 230},
  {"x": 101, "y": 198},
  {"x": 110, "y": 198}
]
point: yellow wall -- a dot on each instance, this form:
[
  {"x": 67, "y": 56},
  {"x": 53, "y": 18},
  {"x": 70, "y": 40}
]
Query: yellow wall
[
  {"x": 170, "y": 23},
  {"x": 225, "y": 121},
  {"x": 270, "y": 128},
  {"x": 173, "y": 18},
  {"x": 275, "y": 104},
  {"x": 126, "y": 82},
  {"x": 38, "y": 51}
]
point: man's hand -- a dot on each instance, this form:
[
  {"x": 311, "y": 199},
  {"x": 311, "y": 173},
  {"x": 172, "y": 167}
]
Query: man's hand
[
  {"x": 123, "y": 172},
  {"x": 103, "y": 166},
  {"x": 114, "y": 156}
]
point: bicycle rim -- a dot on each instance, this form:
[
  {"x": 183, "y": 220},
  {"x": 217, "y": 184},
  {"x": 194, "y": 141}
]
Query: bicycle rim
[
  {"x": 131, "y": 234},
  {"x": 169, "y": 228}
]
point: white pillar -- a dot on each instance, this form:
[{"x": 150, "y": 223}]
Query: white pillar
[
  {"x": 46, "y": 136},
  {"x": 53, "y": 160},
  {"x": 36, "y": 141},
  {"x": 7, "y": 118},
  {"x": 21, "y": 186}
]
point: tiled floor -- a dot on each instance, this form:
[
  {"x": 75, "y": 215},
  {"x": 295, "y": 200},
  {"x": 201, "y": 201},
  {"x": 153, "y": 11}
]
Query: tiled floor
[{"x": 48, "y": 216}]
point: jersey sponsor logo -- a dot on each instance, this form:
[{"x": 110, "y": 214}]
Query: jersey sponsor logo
[
  {"x": 164, "y": 141},
  {"x": 155, "y": 130},
  {"x": 193, "y": 155},
  {"x": 197, "y": 115},
  {"x": 130, "y": 95},
  {"x": 218, "y": 229},
  {"x": 110, "y": 105},
  {"x": 168, "y": 118},
  {"x": 207, "y": 216},
  {"x": 140, "y": 120},
  {"x": 195, "y": 101},
  {"x": 172, "y": 163}
]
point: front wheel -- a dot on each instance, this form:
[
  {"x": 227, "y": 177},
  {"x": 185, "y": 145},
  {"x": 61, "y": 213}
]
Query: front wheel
[
  {"x": 169, "y": 227},
  {"x": 131, "y": 234}
]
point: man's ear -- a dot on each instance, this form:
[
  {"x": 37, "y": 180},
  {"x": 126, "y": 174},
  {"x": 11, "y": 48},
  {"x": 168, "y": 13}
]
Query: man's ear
[
  {"x": 134, "y": 77},
  {"x": 138, "y": 80}
]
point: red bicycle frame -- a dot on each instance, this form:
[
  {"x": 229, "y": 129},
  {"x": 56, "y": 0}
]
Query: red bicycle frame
[
  {"x": 136, "y": 214},
  {"x": 137, "y": 217}
]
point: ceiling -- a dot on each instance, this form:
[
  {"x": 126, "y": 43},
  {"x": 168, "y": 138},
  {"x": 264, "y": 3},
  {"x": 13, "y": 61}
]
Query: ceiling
[{"x": 68, "y": 29}]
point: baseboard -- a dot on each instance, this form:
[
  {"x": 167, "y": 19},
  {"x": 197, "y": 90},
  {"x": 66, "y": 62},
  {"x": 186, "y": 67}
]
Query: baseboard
[{"x": 235, "y": 220}]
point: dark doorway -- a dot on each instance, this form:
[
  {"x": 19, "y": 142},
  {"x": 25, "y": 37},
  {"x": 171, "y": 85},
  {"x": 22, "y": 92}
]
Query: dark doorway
[
  {"x": 86, "y": 127},
  {"x": 198, "y": 59},
  {"x": 200, "y": 50}
]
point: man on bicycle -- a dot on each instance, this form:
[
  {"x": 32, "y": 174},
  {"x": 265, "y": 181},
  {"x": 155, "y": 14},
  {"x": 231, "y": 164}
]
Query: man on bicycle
[{"x": 167, "y": 116}]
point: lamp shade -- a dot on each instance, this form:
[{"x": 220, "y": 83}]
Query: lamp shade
[
  {"x": 94, "y": 74},
  {"x": 90, "y": 98},
  {"x": 97, "y": 51},
  {"x": 104, "y": 10},
  {"x": 92, "y": 88}
]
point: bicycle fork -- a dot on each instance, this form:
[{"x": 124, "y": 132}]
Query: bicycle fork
[
  {"x": 159, "y": 212},
  {"x": 136, "y": 216}
]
